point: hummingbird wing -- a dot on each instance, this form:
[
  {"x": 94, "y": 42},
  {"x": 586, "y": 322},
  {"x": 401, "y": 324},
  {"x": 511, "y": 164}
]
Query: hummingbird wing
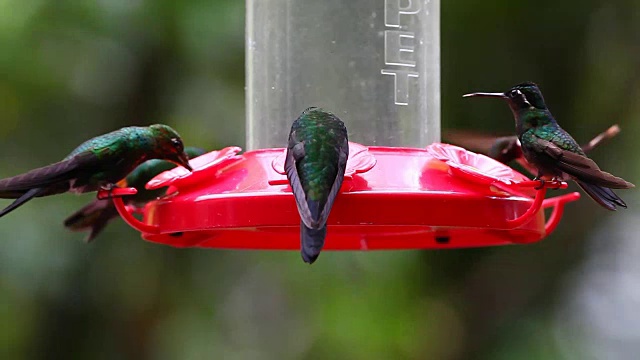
[
  {"x": 502, "y": 148},
  {"x": 295, "y": 155},
  {"x": 93, "y": 217},
  {"x": 471, "y": 140},
  {"x": 337, "y": 184},
  {"x": 505, "y": 149},
  {"x": 22, "y": 200},
  {"x": 57, "y": 175},
  {"x": 578, "y": 165},
  {"x": 52, "y": 179}
]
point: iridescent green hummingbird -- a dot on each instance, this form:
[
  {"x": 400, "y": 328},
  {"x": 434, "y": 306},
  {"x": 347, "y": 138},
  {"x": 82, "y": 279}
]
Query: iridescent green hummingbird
[
  {"x": 553, "y": 152},
  {"x": 97, "y": 214},
  {"x": 97, "y": 163},
  {"x": 315, "y": 164}
]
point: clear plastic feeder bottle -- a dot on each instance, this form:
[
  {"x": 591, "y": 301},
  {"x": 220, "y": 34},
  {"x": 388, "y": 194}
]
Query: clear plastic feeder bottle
[{"x": 373, "y": 63}]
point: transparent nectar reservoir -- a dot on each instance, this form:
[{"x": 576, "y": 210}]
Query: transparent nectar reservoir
[{"x": 373, "y": 63}]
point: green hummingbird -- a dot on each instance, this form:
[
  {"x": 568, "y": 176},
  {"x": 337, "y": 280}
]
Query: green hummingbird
[
  {"x": 95, "y": 215},
  {"x": 97, "y": 163},
  {"x": 315, "y": 163},
  {"x": 552, "y": 151}
]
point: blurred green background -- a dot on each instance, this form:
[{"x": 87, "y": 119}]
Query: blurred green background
[{"x": 70, "y": 70}]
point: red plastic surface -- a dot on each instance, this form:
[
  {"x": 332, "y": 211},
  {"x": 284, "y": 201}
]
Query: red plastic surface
[{"x": 392, "y": 198}]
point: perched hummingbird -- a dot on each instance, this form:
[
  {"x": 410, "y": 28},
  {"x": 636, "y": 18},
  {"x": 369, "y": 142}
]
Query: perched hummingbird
[
  {"x": 97, "y": 163},
  {"x": 95, "y": 215},
  {"x": 315, "y": 164},
  {"x": 553, "y": 152}
]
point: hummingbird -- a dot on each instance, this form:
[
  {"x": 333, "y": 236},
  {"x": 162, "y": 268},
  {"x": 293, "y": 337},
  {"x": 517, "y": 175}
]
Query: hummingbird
[
  {"x": 552, "y": 151},
  {"x": 315, "y": 163},
  {"x": 95, "y": 215},
  {"x": 97, "y": 163}
]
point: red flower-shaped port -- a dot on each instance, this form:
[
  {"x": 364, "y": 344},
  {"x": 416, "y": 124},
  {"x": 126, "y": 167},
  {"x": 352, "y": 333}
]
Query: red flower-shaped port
[
  {"x": 202, "y": 165},
  {"x": 474, "y": 167}
]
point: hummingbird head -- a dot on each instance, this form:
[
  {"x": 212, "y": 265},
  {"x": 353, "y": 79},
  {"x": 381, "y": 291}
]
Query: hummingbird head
[
  {"x": 525, "y": 96},
  {"x": 169, "y": 145},
  {"x": 317, "y": 113},
  {"x": 310, "y": 110}
]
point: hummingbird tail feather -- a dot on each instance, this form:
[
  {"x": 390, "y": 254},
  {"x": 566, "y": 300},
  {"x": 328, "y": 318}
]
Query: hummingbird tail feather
[
  {"x": 95, "y": 230},
  {"x": 602, "y": 195},
  {"x": 311, "y": 242},
  {"x": 93, "y": 217},
  {"x": 21, "y": 200}
]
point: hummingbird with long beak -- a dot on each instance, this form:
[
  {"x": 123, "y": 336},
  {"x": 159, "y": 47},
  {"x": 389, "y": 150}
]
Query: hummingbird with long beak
[
  {"x": 98, "y": 163},
  {"x": 315, "y": 163},
  {"x": 552, "y": 151},
  {"x": 98, "y": 213}
]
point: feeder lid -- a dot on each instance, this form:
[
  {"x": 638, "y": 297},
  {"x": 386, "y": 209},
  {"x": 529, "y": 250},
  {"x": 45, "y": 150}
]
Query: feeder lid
[{"x": 442, "y": 196}]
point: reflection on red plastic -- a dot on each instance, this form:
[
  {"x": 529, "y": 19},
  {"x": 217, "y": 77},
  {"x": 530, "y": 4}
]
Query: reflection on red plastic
[{"x": 394, "y": 198}]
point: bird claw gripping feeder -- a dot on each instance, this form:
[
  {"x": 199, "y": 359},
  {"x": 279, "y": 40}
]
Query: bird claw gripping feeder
[{"x": 374, "y": 64}]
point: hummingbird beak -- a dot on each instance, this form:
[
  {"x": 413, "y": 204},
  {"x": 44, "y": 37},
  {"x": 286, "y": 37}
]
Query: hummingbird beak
[
  {"x": 183, "y": 160},
  {"x": 486, "y": 94}
]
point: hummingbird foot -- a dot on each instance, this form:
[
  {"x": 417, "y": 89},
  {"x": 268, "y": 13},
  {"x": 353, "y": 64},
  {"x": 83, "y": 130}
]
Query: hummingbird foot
[
  {"x": 553, "y": 183},
  {"x": 112, "y": 191},
  {"x": 542, "y": 182},
  {"x": 106, "y": 191},
  {"x": 108, "y": 187}
]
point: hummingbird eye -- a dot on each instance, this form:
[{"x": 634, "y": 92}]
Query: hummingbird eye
[
  {"x": 519, "y": 97},
  {"x": 177, "y": 144}
]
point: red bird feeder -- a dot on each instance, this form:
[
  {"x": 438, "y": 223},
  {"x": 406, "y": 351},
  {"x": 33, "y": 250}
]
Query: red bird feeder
[
  {"x": 380, "y": 75},
  {"x": 392, "y": 198}
]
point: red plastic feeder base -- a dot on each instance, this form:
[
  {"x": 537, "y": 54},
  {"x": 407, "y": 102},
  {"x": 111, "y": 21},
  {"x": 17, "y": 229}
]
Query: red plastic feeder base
[{"x": 392, "y": 198}]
